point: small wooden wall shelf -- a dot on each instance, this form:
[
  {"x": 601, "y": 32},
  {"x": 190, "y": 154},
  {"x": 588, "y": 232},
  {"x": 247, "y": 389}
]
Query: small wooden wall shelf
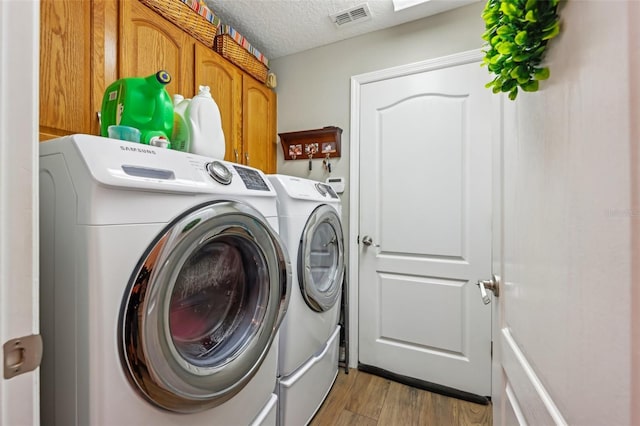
[{"x": 318, "y": 143}]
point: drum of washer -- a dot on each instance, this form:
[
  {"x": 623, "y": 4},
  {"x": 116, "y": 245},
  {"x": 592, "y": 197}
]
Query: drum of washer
[{"x": 203, "y": 307}]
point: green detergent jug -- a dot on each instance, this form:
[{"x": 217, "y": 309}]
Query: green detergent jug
[{"x": 142, "y": 103}]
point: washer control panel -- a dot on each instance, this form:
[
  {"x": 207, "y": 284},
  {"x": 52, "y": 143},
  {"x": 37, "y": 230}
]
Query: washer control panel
[{"x": 252, "y": 179}]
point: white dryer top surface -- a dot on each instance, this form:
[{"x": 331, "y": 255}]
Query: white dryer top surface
[{"x": 295, "y": 194}]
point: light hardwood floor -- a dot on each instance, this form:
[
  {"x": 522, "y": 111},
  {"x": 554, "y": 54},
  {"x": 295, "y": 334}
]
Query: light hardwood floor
[{"x": 362, "y": 399}]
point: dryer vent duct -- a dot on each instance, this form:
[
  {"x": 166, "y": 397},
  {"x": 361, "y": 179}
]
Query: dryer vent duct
[{"x": 360, "y": 13}]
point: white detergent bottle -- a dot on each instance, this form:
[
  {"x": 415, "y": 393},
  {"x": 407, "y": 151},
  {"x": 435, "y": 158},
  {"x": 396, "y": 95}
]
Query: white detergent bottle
[
  {"x": 181, "y": 138},
  {"x": 205, "y": 126}
]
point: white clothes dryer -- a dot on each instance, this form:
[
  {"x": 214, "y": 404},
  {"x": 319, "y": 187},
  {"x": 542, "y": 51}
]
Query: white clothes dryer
[
  {"x": 163, "y": 284},
  {"x": 311, "y": 227}
]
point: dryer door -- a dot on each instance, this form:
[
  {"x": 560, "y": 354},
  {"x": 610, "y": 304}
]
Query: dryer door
[
  {"x": 321, "y": 259},
  {"x": 203, "y": 307}
]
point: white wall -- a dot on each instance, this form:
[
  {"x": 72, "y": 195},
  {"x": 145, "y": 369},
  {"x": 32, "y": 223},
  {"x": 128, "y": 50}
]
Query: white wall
[
  {"x": 314, "y": 86},
  {"x": 571, "y": 216}
]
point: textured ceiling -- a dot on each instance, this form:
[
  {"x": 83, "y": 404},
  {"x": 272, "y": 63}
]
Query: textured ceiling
[{"x": 283, "y": 27}]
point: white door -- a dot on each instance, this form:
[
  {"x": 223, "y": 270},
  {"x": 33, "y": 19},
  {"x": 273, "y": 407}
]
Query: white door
[
  {"x": 425, "y": 213},
  {"x": 569, "y": 226},
  {"x": 19, "y": 40}
]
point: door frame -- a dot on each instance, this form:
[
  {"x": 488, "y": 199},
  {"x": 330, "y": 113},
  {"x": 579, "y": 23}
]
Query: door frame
[
  {"x": 357, "y": 82},
  {"x": 19, "y": 244}
]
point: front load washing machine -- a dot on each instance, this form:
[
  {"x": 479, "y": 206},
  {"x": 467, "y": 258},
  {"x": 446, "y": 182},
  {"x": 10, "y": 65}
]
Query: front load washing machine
[
  {"x": 311, "y": 227},
  {"x": 163, "y": 284}
]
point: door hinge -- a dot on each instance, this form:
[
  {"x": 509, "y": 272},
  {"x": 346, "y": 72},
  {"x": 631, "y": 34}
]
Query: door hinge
[
  {"x": 358, "y": 241},
  {"x": 492, "y": 349},
  {"x": 22, "y": 355}
]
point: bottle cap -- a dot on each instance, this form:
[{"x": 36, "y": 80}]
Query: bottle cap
[
  {"x": 177, "y": 99},
  {"x": 204, "y": 90},
  {"x": 159, "y": 141},
  {"x": 163, "y": 77}
]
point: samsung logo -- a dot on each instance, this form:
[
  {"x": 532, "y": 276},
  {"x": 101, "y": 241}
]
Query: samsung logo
[{"x": 136, "y": 149}]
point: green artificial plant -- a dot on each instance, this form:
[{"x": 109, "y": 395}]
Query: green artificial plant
[{"x": 517, "y": 33}]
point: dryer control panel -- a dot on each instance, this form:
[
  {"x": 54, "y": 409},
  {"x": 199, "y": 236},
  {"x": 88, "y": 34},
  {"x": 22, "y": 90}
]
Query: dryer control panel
[{"x": 326, "y": 190}]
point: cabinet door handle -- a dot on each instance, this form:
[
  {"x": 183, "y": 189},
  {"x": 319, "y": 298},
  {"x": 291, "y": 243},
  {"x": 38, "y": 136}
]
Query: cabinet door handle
[
  {"x": 235, "y": 151},
  {"x": 246, "y": 157}
]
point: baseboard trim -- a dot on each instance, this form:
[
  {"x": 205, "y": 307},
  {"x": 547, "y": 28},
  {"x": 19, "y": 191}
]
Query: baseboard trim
[{"x": 422, "y": 384}]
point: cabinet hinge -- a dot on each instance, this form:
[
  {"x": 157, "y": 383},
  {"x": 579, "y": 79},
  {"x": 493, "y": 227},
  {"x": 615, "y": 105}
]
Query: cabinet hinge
[{"x": 492, "y": 349}]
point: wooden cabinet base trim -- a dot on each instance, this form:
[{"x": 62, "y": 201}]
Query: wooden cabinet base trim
[{"x": 47, "y": 133}]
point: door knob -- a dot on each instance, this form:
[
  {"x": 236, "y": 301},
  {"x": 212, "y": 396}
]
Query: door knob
[
  {"x": 493, "y": 285},
  {"x": 368, "y": 241}
]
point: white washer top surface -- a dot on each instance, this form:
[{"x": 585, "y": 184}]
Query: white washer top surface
[{"x": 128, "y": 182}]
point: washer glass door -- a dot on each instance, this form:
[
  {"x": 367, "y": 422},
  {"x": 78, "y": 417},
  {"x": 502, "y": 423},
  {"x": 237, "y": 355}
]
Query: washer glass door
[
  {"x": 321, "y": 259},
  {"x": 204, "y": 305}
]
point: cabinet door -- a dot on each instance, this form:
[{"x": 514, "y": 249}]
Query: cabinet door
[
  {"x": 149, "y": 43},
  {"x": 65, "y": 68},
  {"x": 225, "y": 82},
  {"x": 258, "y": 130}
]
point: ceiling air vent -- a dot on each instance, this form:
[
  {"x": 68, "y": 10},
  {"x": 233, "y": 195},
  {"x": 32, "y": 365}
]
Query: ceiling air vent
[{"x": 355, "y": 14}]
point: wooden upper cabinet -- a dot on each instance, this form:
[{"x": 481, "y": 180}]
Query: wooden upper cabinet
[
  {"x": 225, "y": 82},
  {"x": 78, "y": 55},
  {"x": 87, "y": 45},
  {"x": 258, "y": 130},
  {"x": 149, "y": 43},
  {"x": 65, "y": 68},
  {"x": 247, "y": 109}
]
